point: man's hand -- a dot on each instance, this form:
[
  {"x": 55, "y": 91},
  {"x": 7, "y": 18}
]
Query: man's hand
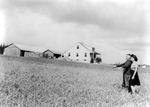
[
  {"x": 120, "y": 68},
  {"x": 114, "y": 67}
]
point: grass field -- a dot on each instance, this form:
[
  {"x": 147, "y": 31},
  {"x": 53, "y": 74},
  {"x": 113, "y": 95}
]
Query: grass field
[{"x": 31, "y": 82}]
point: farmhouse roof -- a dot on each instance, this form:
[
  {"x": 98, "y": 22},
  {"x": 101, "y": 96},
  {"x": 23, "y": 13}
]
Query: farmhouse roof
[
  {"x": 88, "y": 47},
  {"x": 53, "y": 51},
  {"x": 85, "y": 46}
]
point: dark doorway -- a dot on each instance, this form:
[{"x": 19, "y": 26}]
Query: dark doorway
[
  {"x": 22, "y": 53},
  {"x": 57, "y": 55}
]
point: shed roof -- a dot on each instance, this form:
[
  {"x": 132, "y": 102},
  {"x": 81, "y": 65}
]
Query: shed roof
[
  {"x": 28, "y": 48},
  {"x": 47, "y": 51}
]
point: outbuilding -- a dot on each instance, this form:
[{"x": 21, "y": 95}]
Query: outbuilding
[
  {"x": 48, "y": 54},
  {"x": 22, "y": 50}
]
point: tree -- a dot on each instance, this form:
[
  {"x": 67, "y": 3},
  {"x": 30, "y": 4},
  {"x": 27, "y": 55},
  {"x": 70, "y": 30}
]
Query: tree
[
  {"x": 98, "y": 60},
  {"x": 2, "y": 48}
]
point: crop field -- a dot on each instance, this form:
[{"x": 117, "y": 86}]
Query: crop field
[{"x": 32, "y": 82}]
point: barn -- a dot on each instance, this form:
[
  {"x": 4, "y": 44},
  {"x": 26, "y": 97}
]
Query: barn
[
  {"x": 13, "y": 50},
  {"x": 22, "y": 50},
  {"x": 81, "y": 53}
]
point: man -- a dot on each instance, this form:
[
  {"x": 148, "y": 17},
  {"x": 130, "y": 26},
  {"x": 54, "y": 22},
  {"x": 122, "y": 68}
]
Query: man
[{"x": 126, "y": 69}]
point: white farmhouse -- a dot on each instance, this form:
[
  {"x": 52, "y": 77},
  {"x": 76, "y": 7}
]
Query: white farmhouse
[{"x": 81, "y": 53}]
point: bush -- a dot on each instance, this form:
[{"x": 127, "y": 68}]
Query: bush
[{"x": 98, "y": 60}]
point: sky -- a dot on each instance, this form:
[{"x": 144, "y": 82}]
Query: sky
[{"x": 114, "y": 27}]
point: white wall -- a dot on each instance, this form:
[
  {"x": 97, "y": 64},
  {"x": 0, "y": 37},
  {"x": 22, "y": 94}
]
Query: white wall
[
  {"x": 81, "y": 52},
  {"x": 12, "y": 50}
]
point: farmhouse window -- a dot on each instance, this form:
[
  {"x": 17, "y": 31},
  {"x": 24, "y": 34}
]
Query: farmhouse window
[
  {"x": 85, "y": 54},
  {"x": 77, "y": 54},
  {"x": 77, "y": 46},
  {"x": 68, "y": 54}
]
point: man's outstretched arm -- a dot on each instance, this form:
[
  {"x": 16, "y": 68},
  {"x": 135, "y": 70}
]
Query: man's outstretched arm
[
  {"x": 127, "y": 64},
  {"x": 120, "y": 65}
]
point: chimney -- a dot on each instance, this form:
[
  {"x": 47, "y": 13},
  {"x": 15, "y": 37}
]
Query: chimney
[{"x": 93, "y": 49}]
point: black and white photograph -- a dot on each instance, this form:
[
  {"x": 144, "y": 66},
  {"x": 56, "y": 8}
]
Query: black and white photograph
[{"x": 74, "y": 53}]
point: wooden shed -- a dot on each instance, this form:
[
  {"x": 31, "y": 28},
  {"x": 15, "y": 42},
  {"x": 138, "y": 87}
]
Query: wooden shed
[{"x": 48, "y": 54}]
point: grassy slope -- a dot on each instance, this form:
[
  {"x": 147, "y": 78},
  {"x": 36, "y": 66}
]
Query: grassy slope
[{"x": 53, "y": 83}]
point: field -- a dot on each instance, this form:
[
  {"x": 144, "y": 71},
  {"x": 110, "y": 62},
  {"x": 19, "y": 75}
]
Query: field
[{"x": 31, "y": 82}]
